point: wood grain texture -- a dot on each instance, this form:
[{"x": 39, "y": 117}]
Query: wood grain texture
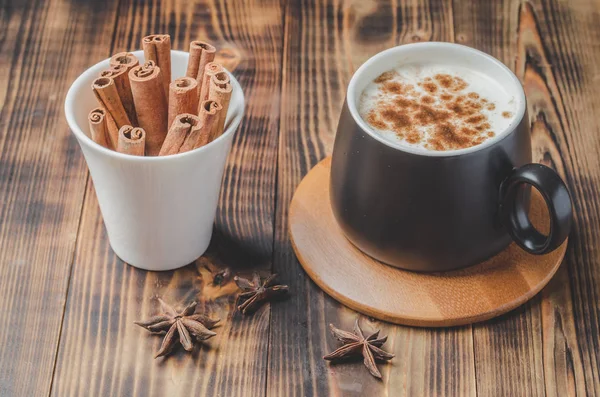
[
  {"x": 459, "y": 297},
  {"x": 42, "y": 179},
  {"x": 102, "y": 352},
  {"x": 294, "y": 59},
  {"x": 560, "y": 59},
  {"x": 509, "y": 347},
  {"x": 545, "y": 353},
  {"x": 325, "y": 42}
]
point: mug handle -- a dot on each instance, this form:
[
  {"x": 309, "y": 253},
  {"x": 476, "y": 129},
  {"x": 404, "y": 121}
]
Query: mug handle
[{"x": 513, "y": 213}]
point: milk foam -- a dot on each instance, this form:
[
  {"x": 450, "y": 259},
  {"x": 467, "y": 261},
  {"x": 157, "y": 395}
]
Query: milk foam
[{"x": 495, "y": 106}]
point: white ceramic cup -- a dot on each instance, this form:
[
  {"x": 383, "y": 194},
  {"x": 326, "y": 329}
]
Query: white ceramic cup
[{"x": 158, "y": 211}]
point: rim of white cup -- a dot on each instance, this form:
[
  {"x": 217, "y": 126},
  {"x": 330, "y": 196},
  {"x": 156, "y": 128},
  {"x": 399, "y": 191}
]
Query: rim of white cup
[
  {"x": 351, "y": 98},
  {"x": 84, "y": 139}
]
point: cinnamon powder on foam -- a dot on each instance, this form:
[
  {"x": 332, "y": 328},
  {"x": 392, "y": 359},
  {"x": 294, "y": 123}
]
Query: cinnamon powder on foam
[{"x": 454, "y": 117}]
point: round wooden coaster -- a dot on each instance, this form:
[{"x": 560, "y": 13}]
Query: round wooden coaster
[{"x": 458, "y": 297}]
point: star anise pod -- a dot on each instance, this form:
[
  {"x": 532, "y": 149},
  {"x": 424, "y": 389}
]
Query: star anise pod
[
  {"x": 355, "y": 345},
  {"x": 256, "y": 293},
  {"x": 187, "y": 325}
]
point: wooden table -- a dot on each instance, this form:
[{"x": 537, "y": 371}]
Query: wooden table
[{"x": 68, "y": 304}]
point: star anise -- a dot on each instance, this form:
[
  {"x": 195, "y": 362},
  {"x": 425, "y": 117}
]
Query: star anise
[
  {"x": 256, "y": 293},
  {"x": 187, "y": 325},
  {"x": 356, "y": 345}
]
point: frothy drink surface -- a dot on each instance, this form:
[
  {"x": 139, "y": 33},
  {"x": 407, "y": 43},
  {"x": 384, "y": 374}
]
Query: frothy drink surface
[{"x": 437, "y": 107}]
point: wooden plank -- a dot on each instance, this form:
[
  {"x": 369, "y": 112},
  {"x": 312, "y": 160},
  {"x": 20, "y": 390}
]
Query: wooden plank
[
  {"x": 325, "y": 41},
  {"x": 508, "y": 350},
  {"x": 44, "y": 46},
  {"x": 560, "y": 74},
  {"x": 102, "y": 352},
  {"x": 546, "y": 348}
]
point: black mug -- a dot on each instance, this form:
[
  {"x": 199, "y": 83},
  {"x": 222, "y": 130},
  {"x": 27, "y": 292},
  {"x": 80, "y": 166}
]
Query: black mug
[{"x": 427, "y": 210}]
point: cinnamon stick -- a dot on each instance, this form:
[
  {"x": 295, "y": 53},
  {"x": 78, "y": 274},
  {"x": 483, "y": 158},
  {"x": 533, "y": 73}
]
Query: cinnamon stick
[
  {"x": 157, "y": 48},
  {"x": 183, "y": 97},
  {"x": 201, "y": 53},
  {"x": 124, "y": 58},
  {"x": 197, "y": 49},
  {"x": 132, "y": 140},
  {"x": 113, "y": 131},
  {"x": 220, "y": 92},
  {"x": 107, "y": 95},
  {"x": 210, "y": 70},
  {"x": 198, "y": 137},
  {"x": 221, "y": 78},
  {"x": 98, "y": 127},
  {"x": 179, "y": 131},
  {"x": 119, "y": 74},
  {"x": 150, "y": 104}
]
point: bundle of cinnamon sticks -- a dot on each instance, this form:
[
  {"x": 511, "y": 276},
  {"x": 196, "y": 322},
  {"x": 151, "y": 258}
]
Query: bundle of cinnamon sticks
[{"x": 142, "y": 112}]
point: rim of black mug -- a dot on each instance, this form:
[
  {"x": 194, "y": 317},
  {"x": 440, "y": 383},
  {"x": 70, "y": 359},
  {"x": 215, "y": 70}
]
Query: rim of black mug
[{"x": 351, "y": 99}]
